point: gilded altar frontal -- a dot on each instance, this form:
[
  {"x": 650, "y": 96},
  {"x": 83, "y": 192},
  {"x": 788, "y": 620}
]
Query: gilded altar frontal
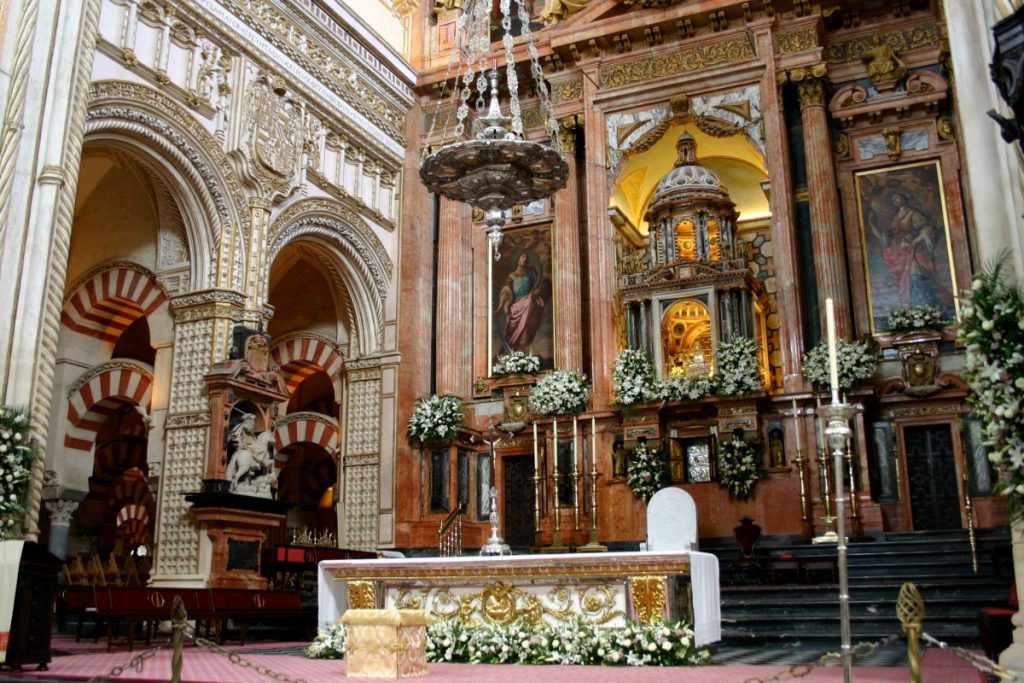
[{"x": 235, "y": 291}]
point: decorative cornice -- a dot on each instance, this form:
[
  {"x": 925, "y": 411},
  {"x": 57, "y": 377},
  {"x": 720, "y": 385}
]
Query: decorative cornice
[
  {"x": 224, "y": 304},
  {"x": 795, "y": 41},
  {"x": 678, "y": 62}
]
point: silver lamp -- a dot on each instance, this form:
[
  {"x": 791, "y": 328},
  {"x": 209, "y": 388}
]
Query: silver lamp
[{"x": 496, "y": 168}]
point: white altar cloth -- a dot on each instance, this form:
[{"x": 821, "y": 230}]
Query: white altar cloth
[{"x": 702, "y": 568}]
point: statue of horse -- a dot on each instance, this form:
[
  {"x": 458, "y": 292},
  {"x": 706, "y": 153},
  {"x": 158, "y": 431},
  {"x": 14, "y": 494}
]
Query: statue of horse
[{"x": 252, "y": 459}]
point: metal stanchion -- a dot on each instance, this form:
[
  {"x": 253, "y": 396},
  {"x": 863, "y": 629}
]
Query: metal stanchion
[
  {"x": 910, "y": 611},
  {"x": 838, "y": 431}
]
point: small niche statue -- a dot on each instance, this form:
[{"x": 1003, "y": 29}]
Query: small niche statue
[
  {"x": 495, "y": 544},
  {"x": 251, "y": 470}
]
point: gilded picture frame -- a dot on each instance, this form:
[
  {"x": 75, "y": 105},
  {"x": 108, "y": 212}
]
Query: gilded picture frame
[
  {"x": 905, "y": 240},
  {"x": 521, "y": 311}
]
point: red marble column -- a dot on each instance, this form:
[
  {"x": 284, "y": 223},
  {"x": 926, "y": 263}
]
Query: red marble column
[
  {"x": 600, "y": 247},
  {"x": 826, "y": 215},
  {"x": 454, "y": 287},
  {"x": 566, "y": 270}
]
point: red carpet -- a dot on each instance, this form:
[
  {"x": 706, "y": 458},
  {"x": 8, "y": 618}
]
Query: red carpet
[{"x": 201, "y": 666}]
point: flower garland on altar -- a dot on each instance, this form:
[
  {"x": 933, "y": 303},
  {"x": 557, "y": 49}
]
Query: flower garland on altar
[
  {"x": 645, "y": 471},
  {"x": 571, "y": 642},
  {"x": 436, "y": 419},
  {"x": 992, "y": 330},
  {"x": 914, "y": 318},
  {"x": 737, "y": 468},
  {"x": 634, "y": 379},
  {"x": 562, "y": 392},
  {"x": 515, "y": 363},
  {"x": 680, "y": 388},
  {"x": 737, "y": 371},
  {"x": 17, "y": 451},
  {"x": 857, "y": 362}
]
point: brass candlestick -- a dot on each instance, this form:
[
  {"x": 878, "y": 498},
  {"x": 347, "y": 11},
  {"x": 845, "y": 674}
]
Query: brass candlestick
[
  {"x": 805, "y": 504},
  {"x": 556, "y": 541},
  {"x": 593, "y": 546},
  {"x": 830, "y": 535},
  {"x": 536, "y": 506},
  {"x": 576, "y": 500}
]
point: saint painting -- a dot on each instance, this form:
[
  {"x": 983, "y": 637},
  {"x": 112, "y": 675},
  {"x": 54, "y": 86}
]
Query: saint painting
[
  {"x": 906, "y": 241},
  {"x": 522, "y": 314}
]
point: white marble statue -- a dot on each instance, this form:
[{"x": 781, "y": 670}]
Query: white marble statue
[{"x": 251, "y": 470}]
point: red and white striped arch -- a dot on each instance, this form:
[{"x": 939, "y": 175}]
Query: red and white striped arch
[
  {"x": 301, "y": 357},
  {"x": 319, "y": 431},
  {"x": 104, "y": 388},
  {"x": 108, "y": 302},
  {"x": 132, "y": 523}
]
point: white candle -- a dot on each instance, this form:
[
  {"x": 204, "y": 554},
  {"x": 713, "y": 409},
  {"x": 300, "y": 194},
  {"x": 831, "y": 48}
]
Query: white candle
[
  {"x": 833, "y": 349},
  {"x": 796, "y": 427},
  {"x": 593, "y": 440},
  {"x": 575, "y": 444},
  {"x": 536, "y": 453}
]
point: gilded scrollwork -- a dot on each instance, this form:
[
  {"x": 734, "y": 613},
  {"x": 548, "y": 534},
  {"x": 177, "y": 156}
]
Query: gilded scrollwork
[
  {"x": 680, "y": 61},
  {"x": 901, "y": 40},
  {"x": 649, "y": 597},
  {"x": 502, "y": 603},
  {"x": 797, "y": 40}
]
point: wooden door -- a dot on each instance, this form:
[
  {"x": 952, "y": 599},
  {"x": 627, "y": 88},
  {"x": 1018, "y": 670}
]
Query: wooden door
[
  {"x": 519, "y": 500},
  {"x": 932, "y": 477}
]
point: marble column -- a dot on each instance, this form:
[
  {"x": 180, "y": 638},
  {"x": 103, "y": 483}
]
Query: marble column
[
  {"x": 826, "y": 215},
  {"x": 454, "y": 289},
  {"x": 60, "y": 524},
  {"x": 566, "y": 273}
]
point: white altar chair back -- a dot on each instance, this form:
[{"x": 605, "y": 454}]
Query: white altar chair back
[{"x": 671, "y": 521}]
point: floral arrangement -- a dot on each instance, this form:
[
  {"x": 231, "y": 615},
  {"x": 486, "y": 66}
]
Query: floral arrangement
[
  {"x": 562, "y": 392},
  {"x": 920, "y": 317},
  {"x": 331, "y": 642},
  {"x": 737, "y": 469},
  {"x": 515, "y": 363},
  {"x": 737, "y": 371},
  {"x": 680, "y": 388},
  {"x": 645, "y": 471},
  {"x": 857, "y": 361},
  {"x": 17, "y": 451},
  {"x": 436, "y": 419},
  {"x": 992, "y": 331},
  {"x": 570, "y": 642},
  {"x": 634, "y": 378}
]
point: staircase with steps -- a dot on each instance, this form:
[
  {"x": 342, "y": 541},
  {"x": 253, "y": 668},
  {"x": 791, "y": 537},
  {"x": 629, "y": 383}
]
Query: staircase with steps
[{"x": 762, "y": 608}]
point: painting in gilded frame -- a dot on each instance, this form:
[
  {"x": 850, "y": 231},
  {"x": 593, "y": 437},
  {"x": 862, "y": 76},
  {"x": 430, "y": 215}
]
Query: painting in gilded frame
[
  {"x": 521, "y": 296},
  {"x": 904, "y": 231}
]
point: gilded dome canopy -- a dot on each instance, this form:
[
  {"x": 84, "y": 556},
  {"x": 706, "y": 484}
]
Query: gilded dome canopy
[{"x": 688, "y": 178}]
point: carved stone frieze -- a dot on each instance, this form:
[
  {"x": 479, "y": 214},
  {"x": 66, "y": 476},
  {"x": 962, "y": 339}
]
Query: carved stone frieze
[
  {"x": 352, "y": 226},
  {"x": 795, "y": 41},
  {"x": 208, "y": 304},
  {"x": 902, "y": 39},
  {"x": 569, "y": 90},
  {"x": 681, "y": 61},
  {"x": 186, "y": 420}
]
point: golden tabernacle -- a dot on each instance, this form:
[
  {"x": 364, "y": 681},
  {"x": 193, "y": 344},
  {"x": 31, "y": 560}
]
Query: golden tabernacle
[
  {"x": 386, "y": 643},
  {"x": 605, "y": 589}
]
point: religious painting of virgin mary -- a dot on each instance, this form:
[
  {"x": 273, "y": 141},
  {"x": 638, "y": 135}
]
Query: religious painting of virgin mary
[
  {"x": 521, "y": 307},
  {"x": 905, "y": 239}
]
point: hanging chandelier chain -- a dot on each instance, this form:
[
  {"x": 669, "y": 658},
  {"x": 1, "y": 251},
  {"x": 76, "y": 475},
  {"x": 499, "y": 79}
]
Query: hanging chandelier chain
[
  {"x": 510, "y": 68},
  {"x": 546, "y": 109},
  {"x": 440, "y": 100}
]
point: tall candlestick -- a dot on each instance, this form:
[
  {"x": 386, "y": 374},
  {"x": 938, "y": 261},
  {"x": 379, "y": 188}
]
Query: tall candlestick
[
  {"x": 833, "y": 351},
  {"x": 796, "y": 427},
  {"x": 536, "y": 454},
  {"x": 575, "y": 444},
  {"x": 593, "y": 442}
]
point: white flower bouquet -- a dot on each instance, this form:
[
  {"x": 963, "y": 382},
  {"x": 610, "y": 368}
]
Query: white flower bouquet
[
  {"x": 992, "y": 331},
  {"x": 573, "y": 641},
  {"x": 562, "y": 392},
  {"x": 857, "y": 361},
  {"x": 436, "y": 419},
  {"x": 515, "y": 363},
  {"x": 645, "y": 471},
  {"x": 680, "y": 388},
  {"x": 737, "y": 468},
  {"x": 17, "y": 451},
  {"x": 920, "y": 317},
  {"x": 736, "y": 368},
  {"x": 634, "y": 379}
]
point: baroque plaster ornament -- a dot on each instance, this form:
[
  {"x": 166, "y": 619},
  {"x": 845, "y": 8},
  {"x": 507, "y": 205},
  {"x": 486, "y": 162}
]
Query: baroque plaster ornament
[{"x": 276, "y": 128}]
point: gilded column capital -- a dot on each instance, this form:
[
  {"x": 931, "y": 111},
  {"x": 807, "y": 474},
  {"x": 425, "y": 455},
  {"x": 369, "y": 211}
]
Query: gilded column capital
[
  {"x": 567, "y": 132},
  {"x": 810, "y": 84}
]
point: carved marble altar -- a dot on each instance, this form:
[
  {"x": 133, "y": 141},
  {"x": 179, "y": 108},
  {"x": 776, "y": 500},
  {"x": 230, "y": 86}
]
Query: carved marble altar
[{"x": 604, "y": 589}]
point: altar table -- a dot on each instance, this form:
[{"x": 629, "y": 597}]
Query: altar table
[{"x": 602, "y": 588}]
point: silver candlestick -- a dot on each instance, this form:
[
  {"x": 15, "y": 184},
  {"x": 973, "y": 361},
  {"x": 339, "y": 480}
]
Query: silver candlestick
[
  {"x": 838, "y": 432},
  {"x": 495, "y": 544}
]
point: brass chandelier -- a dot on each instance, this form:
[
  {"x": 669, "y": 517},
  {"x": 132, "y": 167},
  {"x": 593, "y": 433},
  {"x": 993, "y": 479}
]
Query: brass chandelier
[{"x": 496, "y": 168}]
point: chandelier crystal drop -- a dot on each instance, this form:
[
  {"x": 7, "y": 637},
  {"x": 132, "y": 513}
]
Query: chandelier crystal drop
[{"x": 496, "y": 168}]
